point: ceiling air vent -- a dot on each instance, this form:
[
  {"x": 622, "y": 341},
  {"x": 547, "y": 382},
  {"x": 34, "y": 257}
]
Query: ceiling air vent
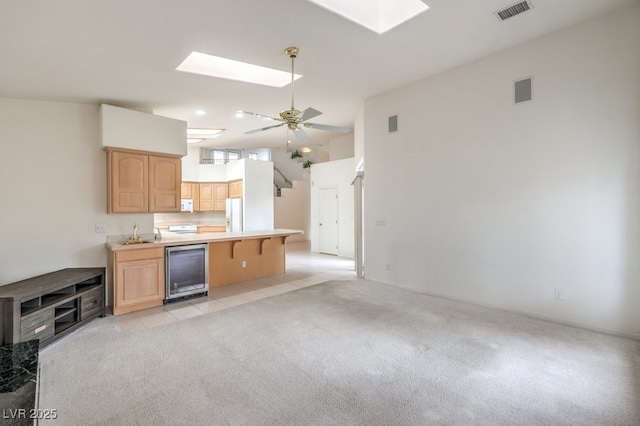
[{"x": 513, "y": 10}]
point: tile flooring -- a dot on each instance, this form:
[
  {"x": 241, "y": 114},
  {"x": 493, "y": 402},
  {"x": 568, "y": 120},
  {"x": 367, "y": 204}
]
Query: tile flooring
[{"x": 303, "y": 268}]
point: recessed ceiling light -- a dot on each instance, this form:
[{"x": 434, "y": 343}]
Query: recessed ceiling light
[
  {"x": 192, "y": 140},
  {"x": 377, "y": 15},
  {"x": 215, "y": 66},
  {"x": 201, "y": 112},
  {"x": 239, "y": 114},
  {"x": 306, "y": 149}
]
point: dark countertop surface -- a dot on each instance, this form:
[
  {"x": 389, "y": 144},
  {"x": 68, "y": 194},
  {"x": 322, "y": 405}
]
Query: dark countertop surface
[{"x": 18, "y": 382}]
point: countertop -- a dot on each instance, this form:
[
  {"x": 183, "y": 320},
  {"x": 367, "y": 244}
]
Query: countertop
[
  {"x": 18, "y": 377},
  {"x": 173, "y": 239}
]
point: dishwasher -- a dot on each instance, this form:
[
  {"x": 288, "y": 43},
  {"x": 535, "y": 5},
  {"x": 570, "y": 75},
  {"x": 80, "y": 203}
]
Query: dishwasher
[{"x": 186, "y": 272}]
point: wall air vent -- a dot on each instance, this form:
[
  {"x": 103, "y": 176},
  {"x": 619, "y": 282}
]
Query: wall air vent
[
  {"x": 393, "y": 123},
  {"x": 513, "y": 10}
]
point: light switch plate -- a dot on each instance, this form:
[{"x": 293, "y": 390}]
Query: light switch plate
[{"x": 101, "y": 228}]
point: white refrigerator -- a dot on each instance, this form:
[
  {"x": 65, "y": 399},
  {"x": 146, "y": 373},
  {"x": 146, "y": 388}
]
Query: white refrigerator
[{"x": 234, "y": 215}]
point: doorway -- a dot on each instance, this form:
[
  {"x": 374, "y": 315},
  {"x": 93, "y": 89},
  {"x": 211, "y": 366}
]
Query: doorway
[{"x": 328, "y": 232}]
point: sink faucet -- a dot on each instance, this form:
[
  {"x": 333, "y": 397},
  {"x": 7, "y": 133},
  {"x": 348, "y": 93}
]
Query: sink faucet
[
  {"x": 135, "y": 231},
  {"x": 158, "y": 236}
]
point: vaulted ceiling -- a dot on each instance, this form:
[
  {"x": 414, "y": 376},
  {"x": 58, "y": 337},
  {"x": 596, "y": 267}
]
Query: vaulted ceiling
[{"x": 124, "y": 53}]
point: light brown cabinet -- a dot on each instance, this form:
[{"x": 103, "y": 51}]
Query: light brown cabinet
[
  {"x": 235, "y": 189},
  {"x": 212, "y": 196},
  {"x": 164, "y": 184},
  {"x": 138, "y": 279},
  {"x": 220, "y": 199},
  {"x": 207, "y": 197},
  {"x": 142, "y": 182},
  {"x": 128, "y": 182},
  {"x": 186, "y": 190},
  {"x": 202, "y": 229},
  {"x": 191, "y": 190}
]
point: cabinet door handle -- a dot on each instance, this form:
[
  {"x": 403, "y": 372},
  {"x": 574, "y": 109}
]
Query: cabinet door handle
[{"x": 39, "y": 329}]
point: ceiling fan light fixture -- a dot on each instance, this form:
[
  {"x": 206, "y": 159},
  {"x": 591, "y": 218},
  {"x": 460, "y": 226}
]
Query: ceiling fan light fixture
[
  {"x": 377, "y": 15},
  {"x": 292, "y": 117},
  {"x": 215, "y": 66}
]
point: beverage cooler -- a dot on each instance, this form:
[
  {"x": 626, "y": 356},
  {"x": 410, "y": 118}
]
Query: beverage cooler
[{"x": 186, "y": 272}]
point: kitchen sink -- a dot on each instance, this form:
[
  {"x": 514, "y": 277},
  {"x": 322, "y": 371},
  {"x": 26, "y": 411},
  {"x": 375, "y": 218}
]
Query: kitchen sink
[{"x": 128, "y": 242}]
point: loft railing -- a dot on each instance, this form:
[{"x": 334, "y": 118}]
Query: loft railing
[{"x": 216, "y": 161}]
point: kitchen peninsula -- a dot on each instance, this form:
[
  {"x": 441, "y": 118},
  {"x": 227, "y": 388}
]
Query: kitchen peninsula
[{"x": 137, "y": 271}]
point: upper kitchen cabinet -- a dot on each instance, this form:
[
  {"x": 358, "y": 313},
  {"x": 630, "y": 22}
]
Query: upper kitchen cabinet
[
  {"x": 212, "y": 196},
  {"x": 128, "y": 129},
  {"x": 144, "y": 160},
  {"x": 220, "y": 201},
  {"x": 235, "y": 189},
  {"x": 165, "y": 174},
  {"x": 143, "y": 182},
  {"x": 128, "y": 182},
  {"x": 207, "y": 197},
  {"x": 186, "y": 190}
]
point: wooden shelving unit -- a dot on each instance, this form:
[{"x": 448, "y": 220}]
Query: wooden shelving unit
[{"x": 51, "y": 305}]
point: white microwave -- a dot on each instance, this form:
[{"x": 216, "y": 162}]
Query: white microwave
[{"x": 186, "y": 205}]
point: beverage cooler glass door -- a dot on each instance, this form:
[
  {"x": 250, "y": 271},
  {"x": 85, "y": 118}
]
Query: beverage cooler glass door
[{"x": 186, "y": 271}]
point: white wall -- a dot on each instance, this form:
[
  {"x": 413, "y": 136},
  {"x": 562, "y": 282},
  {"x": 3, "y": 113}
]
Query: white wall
[
  {"x": 358, "y": 135},
  {"x": 53, "y": 190},
  {"x": 337, "y": 174},
  {"x": 258, "y": 194},
  {"x": 237, "y": 170},
  {"x": 500, "y": 204},
  {"x": 125, "y": 128},
  {"x": 191, "y": 164},
  {"x": 291, "y": 210},
  {"x": 341, "y": 147}
]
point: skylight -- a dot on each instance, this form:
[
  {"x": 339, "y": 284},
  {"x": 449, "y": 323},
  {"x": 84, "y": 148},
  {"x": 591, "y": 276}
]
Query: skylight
[
  {"x": 377, "y": 15},
  {"x": 215, "y": 66}
]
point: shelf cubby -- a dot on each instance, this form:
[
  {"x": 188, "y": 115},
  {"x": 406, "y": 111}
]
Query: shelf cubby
[{"x": 47, "y": 306}]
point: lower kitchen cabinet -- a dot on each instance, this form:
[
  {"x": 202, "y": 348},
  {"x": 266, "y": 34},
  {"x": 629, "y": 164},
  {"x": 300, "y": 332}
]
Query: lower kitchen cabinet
[
  {"x": 203, "y": 229},
  {"x": 138, "y": 279},
  {"x": 49, "y": 306}
]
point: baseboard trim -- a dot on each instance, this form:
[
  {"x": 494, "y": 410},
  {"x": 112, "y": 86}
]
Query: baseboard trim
[{"x": 626, "y": 334}]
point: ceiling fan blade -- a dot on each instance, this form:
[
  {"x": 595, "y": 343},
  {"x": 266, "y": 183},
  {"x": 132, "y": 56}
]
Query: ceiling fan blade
[
  {"x": 327, "y": 127},
  {"x": 301, "y": 136},
  {"x": 309, "y": 113},
  {"x": 263, "y": 129},
  {"x": 259, "y": 115}
]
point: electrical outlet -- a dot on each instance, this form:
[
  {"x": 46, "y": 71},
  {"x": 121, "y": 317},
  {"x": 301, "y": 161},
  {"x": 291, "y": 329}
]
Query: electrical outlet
[
  {"x": 244, "y": 263},
  {"x": 558, "y": 294},
  {"x": 101, "y": 228}
]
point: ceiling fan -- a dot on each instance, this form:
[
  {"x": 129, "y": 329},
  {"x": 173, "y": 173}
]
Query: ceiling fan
[{"x": 294, "y": 119}]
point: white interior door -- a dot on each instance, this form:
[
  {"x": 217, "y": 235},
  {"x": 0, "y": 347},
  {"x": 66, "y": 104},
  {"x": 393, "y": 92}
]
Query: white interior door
[{"x": 328, "y": 220}]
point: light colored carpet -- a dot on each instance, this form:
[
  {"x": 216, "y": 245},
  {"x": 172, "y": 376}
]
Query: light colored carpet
[{"x": 344, "y": 353}]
